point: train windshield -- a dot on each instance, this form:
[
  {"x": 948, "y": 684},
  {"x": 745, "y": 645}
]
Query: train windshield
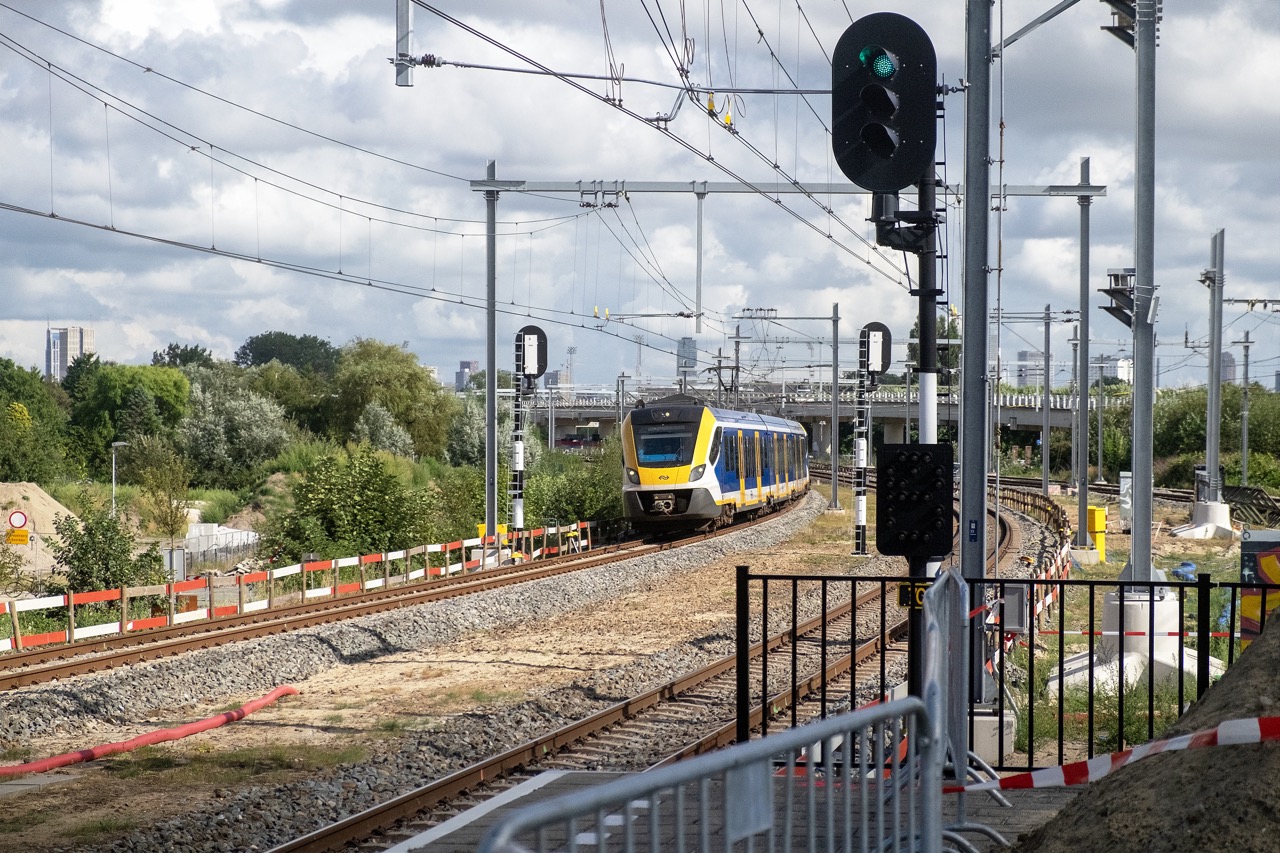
[{"x": 665, "y": 445}]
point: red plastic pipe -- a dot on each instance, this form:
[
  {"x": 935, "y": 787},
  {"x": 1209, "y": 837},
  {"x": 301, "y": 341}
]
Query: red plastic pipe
[{"x": 160, "y": 736}]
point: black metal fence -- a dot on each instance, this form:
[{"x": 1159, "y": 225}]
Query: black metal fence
[{"x": 1074, "y": 668}]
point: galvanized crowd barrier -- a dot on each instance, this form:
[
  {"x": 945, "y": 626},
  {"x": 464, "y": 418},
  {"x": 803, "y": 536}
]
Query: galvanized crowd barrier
[{"x": 866, "y": 780}]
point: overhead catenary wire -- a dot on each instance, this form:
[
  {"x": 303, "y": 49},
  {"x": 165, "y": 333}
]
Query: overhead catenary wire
[{"x": 717, "y": 164}]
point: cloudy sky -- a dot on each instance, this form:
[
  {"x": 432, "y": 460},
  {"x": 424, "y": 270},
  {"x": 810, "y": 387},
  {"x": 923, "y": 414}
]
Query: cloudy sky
[{"x": 201, "y": 172}]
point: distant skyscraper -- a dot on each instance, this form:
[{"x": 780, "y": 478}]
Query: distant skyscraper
[
  {"x": 1228, "y": 367},
  {"x": 1030, "y": 368},
  {"x": 462, "y": 379},
  {"x": 64, "y": 346},
  {"x": 687, "y": 358}
]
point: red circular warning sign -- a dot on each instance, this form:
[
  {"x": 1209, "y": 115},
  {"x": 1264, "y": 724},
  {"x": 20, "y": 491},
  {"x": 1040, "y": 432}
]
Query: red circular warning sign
[{"x": 17, "y": 519}]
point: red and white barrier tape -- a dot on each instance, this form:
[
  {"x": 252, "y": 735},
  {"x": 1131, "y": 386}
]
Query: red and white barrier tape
[{"x": 1231, "y": 732}]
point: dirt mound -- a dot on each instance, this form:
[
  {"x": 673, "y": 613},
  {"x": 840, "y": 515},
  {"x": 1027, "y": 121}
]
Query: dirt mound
[
  {"x": 40, "y": 509},
  {"x": 1212, "y": 798}
]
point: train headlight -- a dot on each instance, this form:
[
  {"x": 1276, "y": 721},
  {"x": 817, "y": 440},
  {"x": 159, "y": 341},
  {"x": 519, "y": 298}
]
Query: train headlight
[
  {"x": 696, "y": 473},
  {"x": 633, "y": 476}
]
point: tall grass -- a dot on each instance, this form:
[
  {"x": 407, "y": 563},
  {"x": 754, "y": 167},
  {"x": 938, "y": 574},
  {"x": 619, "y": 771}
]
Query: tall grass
[
  {"x": 300, "y": 456},
  {"x": 216, "y": 505}
]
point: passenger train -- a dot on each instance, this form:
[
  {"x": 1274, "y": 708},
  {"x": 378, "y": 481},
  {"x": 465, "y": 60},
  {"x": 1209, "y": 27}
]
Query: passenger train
[{"x": 689, "y": 466}]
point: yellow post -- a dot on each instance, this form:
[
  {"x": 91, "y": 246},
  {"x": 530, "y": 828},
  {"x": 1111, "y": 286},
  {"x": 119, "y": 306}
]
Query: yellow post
[{"x": 1097, "y": 520}]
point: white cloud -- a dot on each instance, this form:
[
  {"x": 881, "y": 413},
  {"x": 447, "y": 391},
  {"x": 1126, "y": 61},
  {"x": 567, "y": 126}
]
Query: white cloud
[{"x": 1066, "y": 91}]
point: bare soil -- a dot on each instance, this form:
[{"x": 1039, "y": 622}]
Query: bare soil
[
  {"x": 37, "y": 559},
  {"x": 1212, "y": 798}
]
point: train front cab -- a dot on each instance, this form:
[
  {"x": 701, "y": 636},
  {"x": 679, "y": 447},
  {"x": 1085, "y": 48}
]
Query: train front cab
[{"x": 664, "y": 488}]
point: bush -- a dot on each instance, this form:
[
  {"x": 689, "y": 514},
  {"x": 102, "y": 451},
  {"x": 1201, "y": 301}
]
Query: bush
[{"x": 217, "y": 505}]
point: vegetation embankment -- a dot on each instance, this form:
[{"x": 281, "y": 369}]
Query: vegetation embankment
[{"x": 329, "y": 450}]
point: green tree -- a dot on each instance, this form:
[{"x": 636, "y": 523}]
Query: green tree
[
  {"x": 102, "y": 395},
  {"x": 574, "y": 488},
  {"x": 466, "y": 442},
  {"x": 352, "y": 505},
  {"x": 229, "y": 429},
  {"x": 12, "y": 579},
  {"x": 79, "y": 375},
  {"x": 371, "y": 371},
  {"x": 478, "y": 380},
  {"x": 165, "y": 479},
  {"x": 948, "y": 356},
  {"x": 140, "y": 416},
  {"x": 305, "y": 352},
  {"x": 32, "y": 427},
  {"x": 378, "y": 429},
  {"x": 97, "y": 552},
  {"x": 182, "y": 355},
  {"x": 306, "y": 397}
]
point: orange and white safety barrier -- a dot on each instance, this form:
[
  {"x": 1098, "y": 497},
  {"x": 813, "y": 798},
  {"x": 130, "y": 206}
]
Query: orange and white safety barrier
[
  {"x": 245, "y": 597},
  {"x": 1229, "y": 733}
]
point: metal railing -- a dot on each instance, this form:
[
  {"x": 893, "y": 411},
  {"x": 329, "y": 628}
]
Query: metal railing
[
  {"x": 866, "y": 780},
  {"x": 1114, "y": 663}
]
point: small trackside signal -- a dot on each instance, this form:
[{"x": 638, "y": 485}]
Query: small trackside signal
[{"x": 914, "y": 499}]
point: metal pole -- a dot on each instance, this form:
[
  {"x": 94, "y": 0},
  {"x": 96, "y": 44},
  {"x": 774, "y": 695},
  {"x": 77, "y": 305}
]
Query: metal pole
[
  {"x": 835, "y": 406},
  {"x": 1082, "y": 366},
  {"x": 927, "y": 371},
  {"x": 1075, "y": 392},
  {"x": 1213, "y": 417},
  {"x": 1044, "y": 429},
  {"x": 1100, "y": 479},
  {"x": 1144, "y": 338},
  {"x": 973, "y": 372},
  {"x": 517, "y": 438},
  {"x": 697, "y": 311},
  {"x": 491, "y": 360},
  {"x": 1244, "y": 418}
]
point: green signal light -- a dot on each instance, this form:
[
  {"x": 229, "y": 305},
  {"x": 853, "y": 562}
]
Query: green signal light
[{"x": 879, "y": 61}]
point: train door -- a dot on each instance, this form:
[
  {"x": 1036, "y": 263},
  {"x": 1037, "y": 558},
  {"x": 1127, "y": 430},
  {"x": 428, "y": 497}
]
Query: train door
[
  {"x": 759, "y": 480},
  {"x": 742, "y": 471},
  {"x": 784, "y": 461}
]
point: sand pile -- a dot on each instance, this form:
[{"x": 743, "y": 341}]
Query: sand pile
[
  {"x": 40, "y": 510},
  {"x": 1215, "y": 798}
]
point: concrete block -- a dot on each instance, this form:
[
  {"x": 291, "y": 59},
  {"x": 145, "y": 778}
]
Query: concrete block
[{"x": 987, "y": 731}]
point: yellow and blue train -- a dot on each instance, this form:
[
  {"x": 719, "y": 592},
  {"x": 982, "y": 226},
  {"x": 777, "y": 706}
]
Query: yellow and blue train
[{"x": 688, "y": 466}]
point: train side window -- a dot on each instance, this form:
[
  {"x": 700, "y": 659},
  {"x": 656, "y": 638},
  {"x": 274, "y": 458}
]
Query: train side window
[
  {"x": 730, "y": 454},
  {"x": 714, "y": 453}
]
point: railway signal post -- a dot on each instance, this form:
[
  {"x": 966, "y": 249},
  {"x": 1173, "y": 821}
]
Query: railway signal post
[
  {"x": 531, "y": 362},
  {"x": 884, "y": 107}
]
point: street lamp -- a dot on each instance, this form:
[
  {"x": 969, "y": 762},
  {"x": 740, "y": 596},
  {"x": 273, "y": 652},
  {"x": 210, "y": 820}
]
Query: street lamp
[{"x": 114, "y": 445}]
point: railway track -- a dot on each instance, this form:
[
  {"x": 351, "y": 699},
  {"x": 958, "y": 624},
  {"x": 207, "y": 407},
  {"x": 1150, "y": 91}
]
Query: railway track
[
  {"x": 632, "y": 728},
  {"x": 629, "y": 728},
  {"x": 1035, "y": 484},
  {"x": 38, "y": 666}
]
